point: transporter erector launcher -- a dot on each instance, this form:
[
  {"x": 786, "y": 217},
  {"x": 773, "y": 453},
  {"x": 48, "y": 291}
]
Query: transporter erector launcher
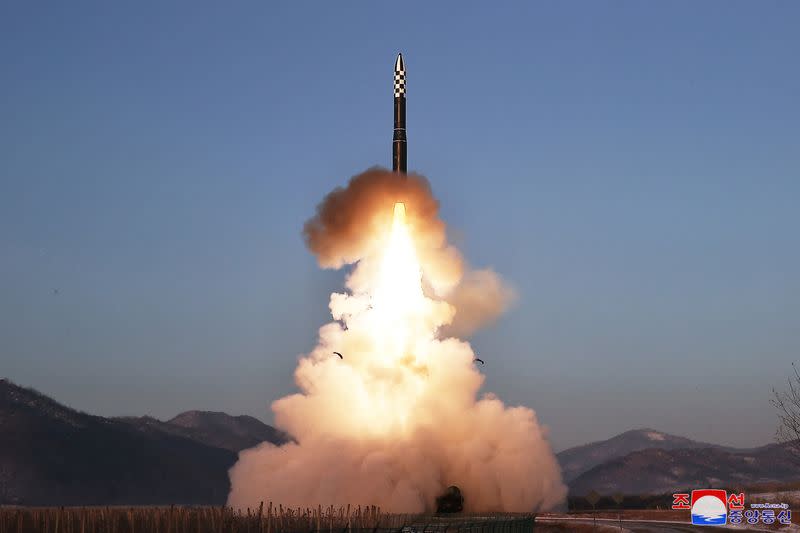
[{"x": 399, "y": 138}]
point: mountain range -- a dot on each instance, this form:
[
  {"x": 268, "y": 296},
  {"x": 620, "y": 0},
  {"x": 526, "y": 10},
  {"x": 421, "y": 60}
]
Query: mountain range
[
  {"x": 646, "y": 461},
  {"x": 51, "y": 454}
]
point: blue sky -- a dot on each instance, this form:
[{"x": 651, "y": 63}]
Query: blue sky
[{"x": 631, "y": 168}]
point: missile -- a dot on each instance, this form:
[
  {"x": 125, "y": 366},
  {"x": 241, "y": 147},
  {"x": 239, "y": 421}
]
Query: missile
[{"x": 399, "y": 138}]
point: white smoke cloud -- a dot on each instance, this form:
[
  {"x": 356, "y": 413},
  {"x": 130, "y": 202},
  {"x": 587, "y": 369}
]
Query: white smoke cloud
[
  {"x": 479, "y": 299},
  {"x": 398, "y": 419}
]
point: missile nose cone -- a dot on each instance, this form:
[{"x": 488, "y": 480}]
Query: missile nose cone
[{"x": 399, "y": 77}]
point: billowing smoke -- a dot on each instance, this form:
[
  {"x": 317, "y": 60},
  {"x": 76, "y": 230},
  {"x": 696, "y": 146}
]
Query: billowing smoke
[{"x": 397, "y": 419}]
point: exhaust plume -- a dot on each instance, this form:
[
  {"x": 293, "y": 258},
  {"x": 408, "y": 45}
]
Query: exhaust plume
[{"x": 395, "y": 420}]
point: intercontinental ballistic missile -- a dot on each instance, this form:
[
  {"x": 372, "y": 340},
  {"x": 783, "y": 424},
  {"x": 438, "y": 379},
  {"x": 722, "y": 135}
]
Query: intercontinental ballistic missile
[
  {"x": 399, "y": 138},
  {"x": 451, "y": 501}
]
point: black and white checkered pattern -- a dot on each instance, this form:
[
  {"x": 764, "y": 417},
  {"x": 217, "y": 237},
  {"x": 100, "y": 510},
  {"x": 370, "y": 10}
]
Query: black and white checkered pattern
[{"x": 399, "y": 83}]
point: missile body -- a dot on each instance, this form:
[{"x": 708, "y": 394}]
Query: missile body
[{"x": 399, "y": 138}]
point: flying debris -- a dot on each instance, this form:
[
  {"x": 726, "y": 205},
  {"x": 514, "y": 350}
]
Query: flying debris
[
  {"x": 399, "y": 137},
  {"x": 478, "y": 360},
  {"x": 340, "y": 355}
]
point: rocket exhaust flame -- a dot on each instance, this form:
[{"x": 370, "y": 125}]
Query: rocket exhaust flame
[{"x": 397, "y": 420}]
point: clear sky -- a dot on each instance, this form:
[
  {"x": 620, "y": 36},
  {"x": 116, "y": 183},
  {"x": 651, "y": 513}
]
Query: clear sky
[{"x": 632, "y": 168}]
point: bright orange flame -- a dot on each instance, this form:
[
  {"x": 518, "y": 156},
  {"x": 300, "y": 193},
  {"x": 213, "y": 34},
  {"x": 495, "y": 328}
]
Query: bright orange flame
[
  {"x": 400, "y": 325},
  {"x": 389, "y": 365},
  {"x": 397, "y": 298}
]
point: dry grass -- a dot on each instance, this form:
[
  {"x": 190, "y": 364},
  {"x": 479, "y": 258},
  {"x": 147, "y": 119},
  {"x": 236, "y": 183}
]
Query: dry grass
[{"x": 265, "y": 519}]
